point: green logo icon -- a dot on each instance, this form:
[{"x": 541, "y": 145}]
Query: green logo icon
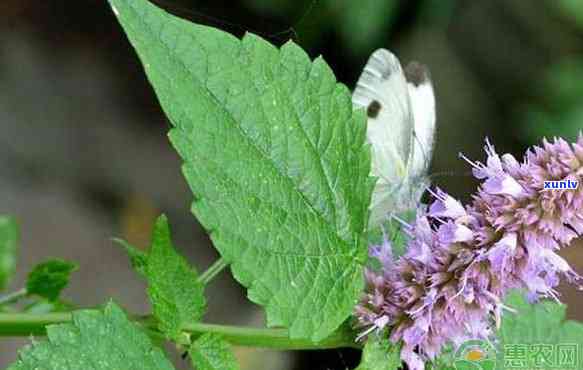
[{"x": 475, "y": 355}]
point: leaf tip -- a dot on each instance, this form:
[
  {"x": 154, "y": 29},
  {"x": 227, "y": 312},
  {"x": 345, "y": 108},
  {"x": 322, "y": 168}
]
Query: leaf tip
[{"x": 162, "y": 222}]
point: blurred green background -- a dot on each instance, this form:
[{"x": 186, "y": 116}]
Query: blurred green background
[{"x": 83, "y": 152}]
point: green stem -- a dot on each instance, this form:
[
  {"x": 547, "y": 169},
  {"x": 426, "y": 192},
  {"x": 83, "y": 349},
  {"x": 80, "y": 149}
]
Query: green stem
[
  {"x": 269, "y": 338},
  {"x": 13, "y": 297},
  {"x": 212, "y": 271},
  {"x": 21, "y": 324}
]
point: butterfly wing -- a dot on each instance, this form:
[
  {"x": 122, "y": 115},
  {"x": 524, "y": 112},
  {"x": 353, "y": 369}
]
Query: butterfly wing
[
  {"x": 383, "y": 91},
  {"x": 423, "y": 106}
]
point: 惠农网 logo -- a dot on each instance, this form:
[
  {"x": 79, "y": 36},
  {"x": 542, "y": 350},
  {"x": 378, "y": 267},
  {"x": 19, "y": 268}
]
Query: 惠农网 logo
[
  {"x": 482, "y": 355},
  {"x": 475, "y": 355}
]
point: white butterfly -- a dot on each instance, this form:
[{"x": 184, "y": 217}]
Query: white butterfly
[{"x": 401, "y": 128}]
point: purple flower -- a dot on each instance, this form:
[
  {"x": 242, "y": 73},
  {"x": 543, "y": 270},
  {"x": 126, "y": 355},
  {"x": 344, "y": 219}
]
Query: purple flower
[
  {"x": 461, "y": 261},
  {"x": 451, "y": 232},
  {"x": 445, "y": 205}
]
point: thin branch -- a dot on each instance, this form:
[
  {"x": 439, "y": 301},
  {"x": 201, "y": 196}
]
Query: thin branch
[
  {"x": 213, "y": 271},
  {"x": 13, "y": 297}
]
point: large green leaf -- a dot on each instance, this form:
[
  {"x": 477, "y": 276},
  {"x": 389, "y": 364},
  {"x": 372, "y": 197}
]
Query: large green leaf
[
  {"x": 539, "y": 330},
  {"x": 526, "y": 337},
  {"x": 173, "y": 288},
  {"x": 211, "y": 352},
  {"x": 8, "y": 249},
  {"x": 276, "y": 159},
  {"x": 95, "y": 340}
]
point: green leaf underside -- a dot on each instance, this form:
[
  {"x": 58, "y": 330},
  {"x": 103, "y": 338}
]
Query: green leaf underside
[
  {"x": 537, "y": 324},
  {"x": 380, "y": 354},
  {"x": 49, "y": 278},
  {"x": 95, "y": 340},
  {"x": 211, "y": 352},
  {"x": 275, "y": 157},
  {"x": 173, "y": 288},
  {"x": 8, "y": 249}
]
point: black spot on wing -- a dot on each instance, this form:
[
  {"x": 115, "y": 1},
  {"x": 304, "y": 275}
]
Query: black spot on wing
[
  {"x": 416, "y": 73},
  {"x": 387, "y": 73},
  {"x": 373, "y": 109}
]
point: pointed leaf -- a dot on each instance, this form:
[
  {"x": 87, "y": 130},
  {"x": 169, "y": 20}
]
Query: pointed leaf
[
  {"x": 275, "y": 156},
  {"x": 173, "y": 288},
  {"x": 49, "y": 278}
]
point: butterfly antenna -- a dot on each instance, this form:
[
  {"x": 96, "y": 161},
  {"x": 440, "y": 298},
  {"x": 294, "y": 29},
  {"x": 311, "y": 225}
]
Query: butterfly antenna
[
  {"x": 292, "y": 29},
  {"x": 426, "y": 156},
  {"x": 194, "y": 15}
]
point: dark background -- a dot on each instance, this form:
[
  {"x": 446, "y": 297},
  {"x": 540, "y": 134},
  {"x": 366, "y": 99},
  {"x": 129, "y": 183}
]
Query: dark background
[{"x": 84, "y": 156}]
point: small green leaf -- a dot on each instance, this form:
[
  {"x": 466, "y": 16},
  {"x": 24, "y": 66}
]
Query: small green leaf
[
  {"x": 138, "y": 258},
  {"x": 380, "y": 354},
  {"x": 211, "y": 352},
  {"x": 176, "y": 294},
  {"x": 8, "y": 249},
  {"x": 95, "y": 340},
  {"x": 49, "y": 278},
  {"x": 276, "y": 158}
]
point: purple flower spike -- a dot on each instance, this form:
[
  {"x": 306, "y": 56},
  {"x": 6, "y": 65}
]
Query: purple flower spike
[{"x": 460, "y": 262}]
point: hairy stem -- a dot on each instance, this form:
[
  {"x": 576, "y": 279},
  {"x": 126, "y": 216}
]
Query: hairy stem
[
  {"x": 21, "y": 324},
  {"x": 213, "y": 271}
]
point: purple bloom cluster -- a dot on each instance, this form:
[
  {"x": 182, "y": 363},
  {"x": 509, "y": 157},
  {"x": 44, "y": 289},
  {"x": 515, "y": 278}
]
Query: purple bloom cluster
[{"x": 461, "y": 261}]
